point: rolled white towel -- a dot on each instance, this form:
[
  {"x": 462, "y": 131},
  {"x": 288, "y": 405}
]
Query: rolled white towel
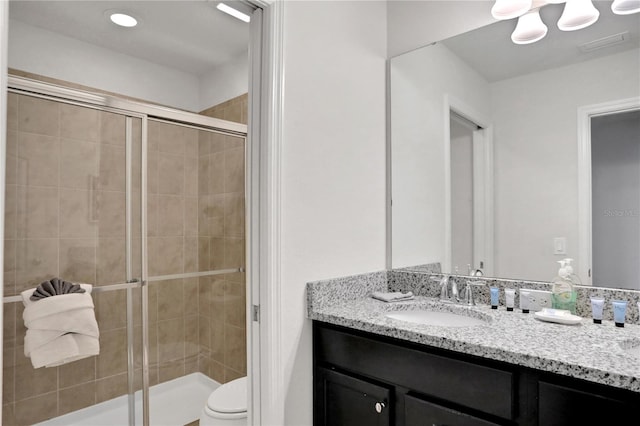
[{"x": 395, "y": 296}]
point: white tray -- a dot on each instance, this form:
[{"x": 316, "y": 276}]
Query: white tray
[{"x": 559, "y": 316}]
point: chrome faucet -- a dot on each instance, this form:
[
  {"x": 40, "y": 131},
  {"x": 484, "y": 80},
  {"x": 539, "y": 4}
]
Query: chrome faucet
[
  {"x": 444, "y": 289},
  {"x": 469, "y": 292}
]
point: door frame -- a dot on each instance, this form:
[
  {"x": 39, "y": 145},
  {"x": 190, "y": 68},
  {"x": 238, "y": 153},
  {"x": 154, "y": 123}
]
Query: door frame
[
  {"x": 585, "y": 113},
  {"x": 483, "y": 205}
]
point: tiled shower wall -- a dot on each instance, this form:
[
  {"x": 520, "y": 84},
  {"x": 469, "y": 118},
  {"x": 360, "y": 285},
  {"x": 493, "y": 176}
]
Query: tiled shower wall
[
  {"x": 222, "y": 316},
  {"x": 65, "y": 217}
]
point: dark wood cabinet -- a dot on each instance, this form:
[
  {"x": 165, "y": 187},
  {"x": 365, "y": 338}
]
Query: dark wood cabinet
[
  {"x": 349, "y": 401},
  {"x": 357, "y": 374}
]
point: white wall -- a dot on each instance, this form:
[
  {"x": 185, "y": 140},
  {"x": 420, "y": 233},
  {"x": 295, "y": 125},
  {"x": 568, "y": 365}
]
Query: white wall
[
  {"x": 225, "y": 82},
  {"x": 333, "y": 165},
  {"x": 418, "y": 132},
  {"x": 413, "y": 24},
  {"x": 53, "y": 55},
  {"x": 43, "y": 52},
  {"x": 536, "y": 153}
]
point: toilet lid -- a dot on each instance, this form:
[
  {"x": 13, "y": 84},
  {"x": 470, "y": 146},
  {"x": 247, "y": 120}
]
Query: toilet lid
[{"x": 230, "y": 397}]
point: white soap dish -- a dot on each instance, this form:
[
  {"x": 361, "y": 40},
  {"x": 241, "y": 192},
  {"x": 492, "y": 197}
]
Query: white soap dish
[{"x": 560, "y": 316}]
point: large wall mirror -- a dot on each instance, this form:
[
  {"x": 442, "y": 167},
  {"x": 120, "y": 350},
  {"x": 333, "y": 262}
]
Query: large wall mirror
[{"x": 511, "y": 157}]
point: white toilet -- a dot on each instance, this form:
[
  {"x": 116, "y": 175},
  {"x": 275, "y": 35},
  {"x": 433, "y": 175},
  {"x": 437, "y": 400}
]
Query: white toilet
[{"x": 227, "y": 405}]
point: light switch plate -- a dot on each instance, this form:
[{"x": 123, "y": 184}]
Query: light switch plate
[{"x": 538, "y": 299}]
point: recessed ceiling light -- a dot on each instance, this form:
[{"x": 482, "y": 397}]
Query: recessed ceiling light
[
  {"x": 123, "y": 19},
  {"x": 233, "y": 12}
]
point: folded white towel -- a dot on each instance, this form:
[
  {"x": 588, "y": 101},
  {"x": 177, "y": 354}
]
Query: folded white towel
[
  {"x": 60, "y": 329},
  {"x": 395, "y": 296}
]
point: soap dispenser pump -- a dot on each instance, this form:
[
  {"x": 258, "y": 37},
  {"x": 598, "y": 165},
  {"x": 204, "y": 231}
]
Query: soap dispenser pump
[{"x": 563, "y": 292}]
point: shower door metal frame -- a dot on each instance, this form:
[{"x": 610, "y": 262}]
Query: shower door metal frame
[{"x": 133, "y": 109}]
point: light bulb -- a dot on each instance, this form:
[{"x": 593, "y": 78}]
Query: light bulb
[
  {"x": 625, "y": 7},
  {"x": 508, "y": 9},
  {"x": 530, "y": 28},
  {"x": 578, "y": 14}
]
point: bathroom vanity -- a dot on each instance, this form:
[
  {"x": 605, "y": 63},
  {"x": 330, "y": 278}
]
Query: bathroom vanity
[{"x": 370, "y": 369}]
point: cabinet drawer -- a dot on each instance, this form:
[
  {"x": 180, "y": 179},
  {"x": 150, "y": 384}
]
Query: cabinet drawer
[
  {"x": 419, "y": 412},
  {"x": 349, "y": 401},
  {"x": 464, "y": 383}
]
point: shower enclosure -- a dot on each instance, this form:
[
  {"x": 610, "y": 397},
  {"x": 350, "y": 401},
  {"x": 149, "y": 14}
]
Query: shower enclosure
[{"x": 147, "y": 205}]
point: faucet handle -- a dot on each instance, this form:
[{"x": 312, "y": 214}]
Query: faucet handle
[{"x": 468, "y": 293}]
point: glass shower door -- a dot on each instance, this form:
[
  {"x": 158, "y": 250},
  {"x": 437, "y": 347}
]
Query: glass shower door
[{"x": 72, "y": 177}]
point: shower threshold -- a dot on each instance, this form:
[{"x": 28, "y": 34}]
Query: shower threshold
[{"x": 173, "y": 403}]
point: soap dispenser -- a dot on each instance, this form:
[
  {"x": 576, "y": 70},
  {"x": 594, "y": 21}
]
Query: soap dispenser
[
  {"x": 575, "y": 280},
  {"x": 563, "y": 292}
]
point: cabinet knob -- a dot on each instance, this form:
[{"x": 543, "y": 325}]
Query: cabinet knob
[{"x": 379, "y": 407}]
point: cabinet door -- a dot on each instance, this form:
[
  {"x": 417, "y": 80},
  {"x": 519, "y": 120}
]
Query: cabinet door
[
  {"x": 563, "y": 406},
  {"x": 419, "y": 412},
  {"x": 348, "y": 401}
]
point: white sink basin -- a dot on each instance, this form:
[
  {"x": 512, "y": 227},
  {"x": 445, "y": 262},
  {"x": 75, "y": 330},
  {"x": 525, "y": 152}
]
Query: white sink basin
[{"x": 444, "y": 319}]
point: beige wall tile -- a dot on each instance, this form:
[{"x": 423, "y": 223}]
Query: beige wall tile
[
  {"x": 78, "y": 164},
  {"x": 217, "y": 173},
  {"x": 233, "y": 113},
  {"x": 191, "y": 254},
  {"x": 191, "y": 217},
  {"x": 111, "y": 214},
  {"x": 170, "y": 174},
  {"x": 152, "y": 172},
  {"x": 170, "y": 216},
  {"x": 110, "y": 310},
  {"x": 217, "y": 253},
  {"x": 38, "y": 116},
  {"x": 169, "y": 137},
  {"x": 204, "y": 296},
  {"x": 37, "y": 162},
  {"x": 12, "y": 158},
  {"x": 9, "y": 331},
  {"x": 78, "y": 262},
  {"x": 204, "y": 254},
  {"x": 234, "y": 304},
  {"x": 230, "y": 374},
  {"x": 191, "y": 177},
  {"x": 113, "y": 353},
  {"x": 165, "y": 255},
  {"x": 112, "y": 128},
  {"x": 191, "y": 142},
  {"x": 170, "y": 299},
  {"x": 79, "y": 123},
  {"x": 234, "y": 215},
  {"x": 77, "y": 372},
  {"x": 75, "y": 216},
  {"x": 111, "y": 387},
  {"x": 191, "y": 336},
  {"x": 11, "y": 212},
  {"x": 10, "y": 267},
  {"x": 153, "y": 302},
  {"x": 204, "y": 333},
  {"x": 111, "y": 261},
  {"x": 36, "y": 261},
  {"x": 218, "y": 290},
  {"x": 32, "y": 381},
  {"x": 171, "y": 370},
  {"x": 234, "y": 170},
  {"x": 76, "y": 397},
  {"x": 38, "y": 409},
  {"x": 7, "y": 385},
  {"x": 12, "y": 111},
  {"x": 234, "y": 252},
  {"x": 152, "y": 215},
  {"x": 218, "y": 341},
  {"x": 37, "y": 212},
  {"x": 170, "y": 340},
  {"x": 204, "y": 143},
  {"x": 235, "y": 351},
  {"x": 218, "y": 142},
  {"x": 112, "y": 165}
]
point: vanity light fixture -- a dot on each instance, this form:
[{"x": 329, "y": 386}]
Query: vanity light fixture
[
  {"x": 530, "y": 28},
  {"x": 123, "y": 19},
  {"x": 577, "y": 14},
  {"x": 625, "y": 7},
  {"x": 233, "y": 12}
]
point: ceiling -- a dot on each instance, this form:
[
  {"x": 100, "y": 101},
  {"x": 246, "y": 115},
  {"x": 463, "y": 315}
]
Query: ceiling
[
  {"x": 191, "y": 36},
  {"x": 490, "y": 51}
]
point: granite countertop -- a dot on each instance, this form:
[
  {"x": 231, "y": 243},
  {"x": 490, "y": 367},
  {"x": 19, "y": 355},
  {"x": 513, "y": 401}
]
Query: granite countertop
[{"x": 586, "y": 351}]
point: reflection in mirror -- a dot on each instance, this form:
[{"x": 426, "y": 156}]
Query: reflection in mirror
[{"x": 536, "y": 105}]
